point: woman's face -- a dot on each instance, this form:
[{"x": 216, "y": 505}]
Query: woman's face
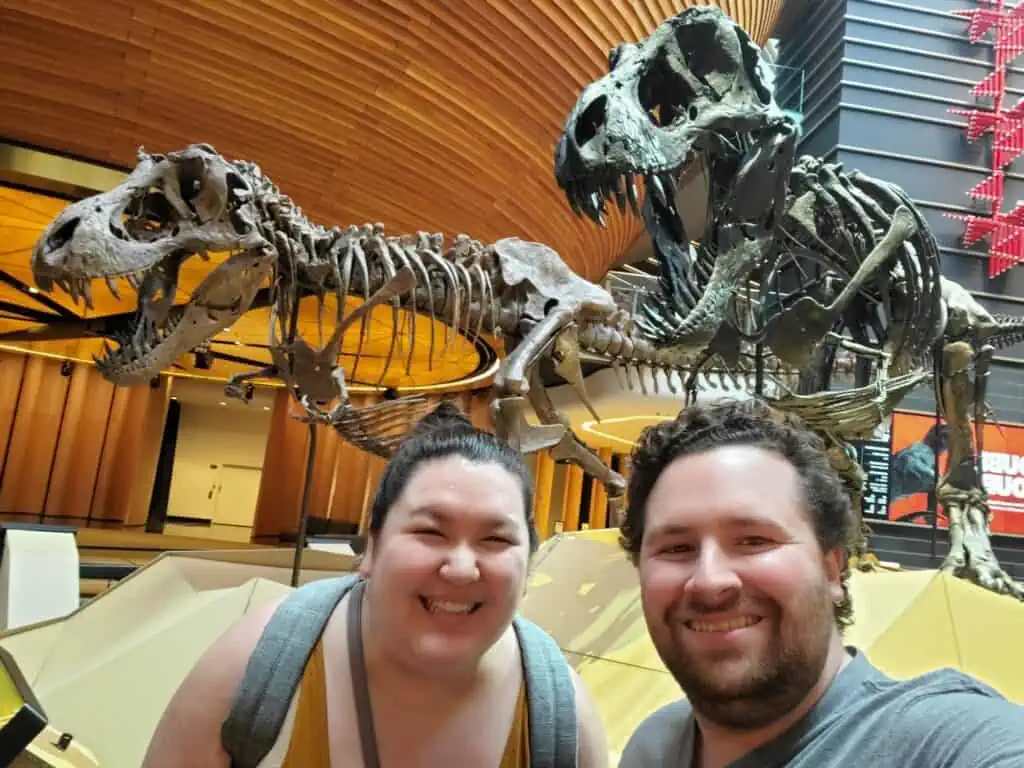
[{"x": 449, "y": 565}]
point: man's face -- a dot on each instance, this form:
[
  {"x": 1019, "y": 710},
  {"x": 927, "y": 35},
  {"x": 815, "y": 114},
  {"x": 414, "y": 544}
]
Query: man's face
[{"x": 737, "y": 594}]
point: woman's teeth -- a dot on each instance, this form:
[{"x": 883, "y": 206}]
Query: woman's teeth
[{"x": 447, "y": 606}]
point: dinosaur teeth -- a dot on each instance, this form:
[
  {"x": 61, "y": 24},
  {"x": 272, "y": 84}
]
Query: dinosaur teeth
[
  {"x": 654, "y": 183},
  {"x": 631, "y": 194},
  {"x": 112, "y": 287}
]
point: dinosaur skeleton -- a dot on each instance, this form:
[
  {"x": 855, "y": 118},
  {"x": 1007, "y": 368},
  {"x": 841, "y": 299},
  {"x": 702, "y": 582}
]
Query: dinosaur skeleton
[
  {"x": 794, "y": 256},
  {"x": 194, "y": 202},
  {"x": 188, "y": 203}
]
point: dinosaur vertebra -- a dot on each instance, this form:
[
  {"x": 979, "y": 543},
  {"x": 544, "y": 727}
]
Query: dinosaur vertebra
[{"x": 796, "y": 256}]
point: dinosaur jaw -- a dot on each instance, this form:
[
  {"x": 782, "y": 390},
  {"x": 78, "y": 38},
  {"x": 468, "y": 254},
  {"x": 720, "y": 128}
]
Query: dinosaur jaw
[
  {"x": 620, "y": 186},
  {"x": 157, "y": 339}
]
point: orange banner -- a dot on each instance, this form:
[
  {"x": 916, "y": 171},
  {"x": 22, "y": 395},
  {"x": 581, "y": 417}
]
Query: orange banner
[{"x": 914, "y": 443}]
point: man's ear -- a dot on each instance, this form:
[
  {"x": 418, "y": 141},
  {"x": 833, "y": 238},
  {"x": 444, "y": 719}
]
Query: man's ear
[{"x": 835, "y": 567}]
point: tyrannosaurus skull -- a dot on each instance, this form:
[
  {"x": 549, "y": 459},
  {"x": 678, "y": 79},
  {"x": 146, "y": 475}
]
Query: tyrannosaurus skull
[
  {"x": 697, "y": 77},
  {"x": 170, "y": 208}
]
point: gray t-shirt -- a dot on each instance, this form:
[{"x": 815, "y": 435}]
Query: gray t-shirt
[{"x": 943, "y": 719}]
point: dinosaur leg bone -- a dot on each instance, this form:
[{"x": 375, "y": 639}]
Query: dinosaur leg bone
[
  {"x": 570, "y": 449},
  {"x": 959, "y": 490},
  {"x": 511, "y": 384}
]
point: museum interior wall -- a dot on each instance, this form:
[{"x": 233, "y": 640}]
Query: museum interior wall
[{"x": 878, "y": 83}]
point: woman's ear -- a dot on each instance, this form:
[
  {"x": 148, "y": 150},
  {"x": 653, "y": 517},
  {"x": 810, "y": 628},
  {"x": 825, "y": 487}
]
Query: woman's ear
[{"x": 364, "y": 562}]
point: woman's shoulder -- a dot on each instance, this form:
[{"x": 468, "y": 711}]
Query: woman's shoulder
[{"x": 189, "y": 731}]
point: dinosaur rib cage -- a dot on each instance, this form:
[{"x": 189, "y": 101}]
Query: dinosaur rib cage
[{"x": 832, "y": 221}]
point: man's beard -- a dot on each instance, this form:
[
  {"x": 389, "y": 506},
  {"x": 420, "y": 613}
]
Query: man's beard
[{"x": 764, "y": 686}]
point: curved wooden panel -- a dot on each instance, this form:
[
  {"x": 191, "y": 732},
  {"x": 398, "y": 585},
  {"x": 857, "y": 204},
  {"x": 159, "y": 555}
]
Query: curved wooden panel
[{"x": 419, "y": 114}]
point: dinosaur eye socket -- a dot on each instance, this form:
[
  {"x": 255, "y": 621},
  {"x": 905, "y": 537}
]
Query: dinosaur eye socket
[
  {"x": 190, "y": 174},
  {"x": 664, "y": 95},
  {"x": 711, "y": 54}
]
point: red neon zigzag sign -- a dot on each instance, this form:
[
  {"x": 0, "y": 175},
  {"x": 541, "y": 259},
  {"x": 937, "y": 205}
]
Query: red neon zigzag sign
[{"x": 1004, "y": 230}]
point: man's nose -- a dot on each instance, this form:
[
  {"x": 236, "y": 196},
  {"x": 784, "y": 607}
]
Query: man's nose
[
  {"x": 460, "y": 565},
  {"x": 714, "y": 580}
]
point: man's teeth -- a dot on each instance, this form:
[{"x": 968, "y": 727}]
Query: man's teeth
[
  {"x": 727, "y": 625},
  {"x": 446, "y": 606}
]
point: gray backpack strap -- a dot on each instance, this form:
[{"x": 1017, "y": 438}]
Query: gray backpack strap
[
  {"x": 275, "y": 669},
  {"x": 551, "y": 698}
]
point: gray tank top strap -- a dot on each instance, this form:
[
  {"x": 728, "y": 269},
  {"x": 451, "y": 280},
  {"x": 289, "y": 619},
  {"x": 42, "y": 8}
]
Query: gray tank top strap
[
  {"x": 360, "y": 683},
  {"x": 551, "y": 698},
  {"x": 275, "y": 669}
]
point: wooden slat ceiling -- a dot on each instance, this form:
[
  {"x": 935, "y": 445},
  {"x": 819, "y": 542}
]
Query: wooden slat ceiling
[
  {"x": 438, "y": 115},
  {"x": 422, "y": 114}
]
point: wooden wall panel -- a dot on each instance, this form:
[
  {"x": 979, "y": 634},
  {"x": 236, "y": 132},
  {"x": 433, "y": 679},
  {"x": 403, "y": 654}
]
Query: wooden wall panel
[
  {"x": 80, "y": 447},
  {"x": 77, "y": 451},
  {"x": 12, "y": 372},
  {"x": 33, "y": 438},
  {"x": 284, "y": 462},
  {"x": 128, "y": 450},
  {"x": 345, "y": 478}
]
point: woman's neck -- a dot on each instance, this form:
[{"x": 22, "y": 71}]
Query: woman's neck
[{"x": 392, "y": 668}]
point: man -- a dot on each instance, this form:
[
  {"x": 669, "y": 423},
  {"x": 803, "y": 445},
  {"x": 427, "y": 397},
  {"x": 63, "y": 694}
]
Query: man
[{"x": 740, "y": 529}]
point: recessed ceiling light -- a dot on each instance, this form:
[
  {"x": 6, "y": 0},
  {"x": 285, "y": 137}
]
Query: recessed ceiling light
[
  {"x": 266, "y": 407},
  {"x": 222, "y": 402}
]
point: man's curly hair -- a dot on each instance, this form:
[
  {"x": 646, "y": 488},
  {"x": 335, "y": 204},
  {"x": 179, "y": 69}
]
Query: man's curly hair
[{"x": 704, "y": 427}]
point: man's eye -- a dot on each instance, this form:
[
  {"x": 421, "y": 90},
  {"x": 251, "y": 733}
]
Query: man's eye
[
  {"x": 427, "y": 532},
  {"x": 755, "y": 541}
]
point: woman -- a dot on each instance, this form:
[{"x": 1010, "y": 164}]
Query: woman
[{"x": 420, "y": 662}]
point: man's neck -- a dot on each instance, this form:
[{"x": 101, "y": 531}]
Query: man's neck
[{"x": 720, "y": 747}]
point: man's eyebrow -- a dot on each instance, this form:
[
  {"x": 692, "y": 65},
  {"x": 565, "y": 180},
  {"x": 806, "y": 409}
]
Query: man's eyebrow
[{"x": 746, "y": 521}]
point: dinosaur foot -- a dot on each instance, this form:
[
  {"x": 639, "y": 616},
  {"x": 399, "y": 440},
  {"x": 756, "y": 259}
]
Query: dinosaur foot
[
  {"x": 511, "y": 425},
  {"x": 982, "y": 569},
  {"x": 868, "y": 562},
  {"x": 239, "y": 390},
  {"x": 970, "y": 554}
]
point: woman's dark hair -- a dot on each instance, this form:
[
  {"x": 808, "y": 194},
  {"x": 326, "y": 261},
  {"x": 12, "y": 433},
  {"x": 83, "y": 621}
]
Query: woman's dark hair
[
  {"x": 703, "y": 428},
  {"x": 444, "y": 432}
]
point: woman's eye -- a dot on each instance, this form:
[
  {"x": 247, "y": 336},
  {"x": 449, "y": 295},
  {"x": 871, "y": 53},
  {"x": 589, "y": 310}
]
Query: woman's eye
[
  {"x": 755, "y": 541},
  {"x": 677, "y": 549}
]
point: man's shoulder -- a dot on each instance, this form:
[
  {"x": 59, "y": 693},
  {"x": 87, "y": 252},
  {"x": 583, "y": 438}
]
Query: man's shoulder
[
  {"x": 945, "y": 686},
  {"x": 955, "y": 719},
  {"x": 660, "y": 737}
]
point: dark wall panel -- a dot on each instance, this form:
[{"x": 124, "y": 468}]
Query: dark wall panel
[{"x": 878, "y": 100}]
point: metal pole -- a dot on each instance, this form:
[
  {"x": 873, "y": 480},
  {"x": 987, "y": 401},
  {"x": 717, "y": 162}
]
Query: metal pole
[
  {"x": 933, "y": 497},
  {"x": 300, "y": 541}
]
